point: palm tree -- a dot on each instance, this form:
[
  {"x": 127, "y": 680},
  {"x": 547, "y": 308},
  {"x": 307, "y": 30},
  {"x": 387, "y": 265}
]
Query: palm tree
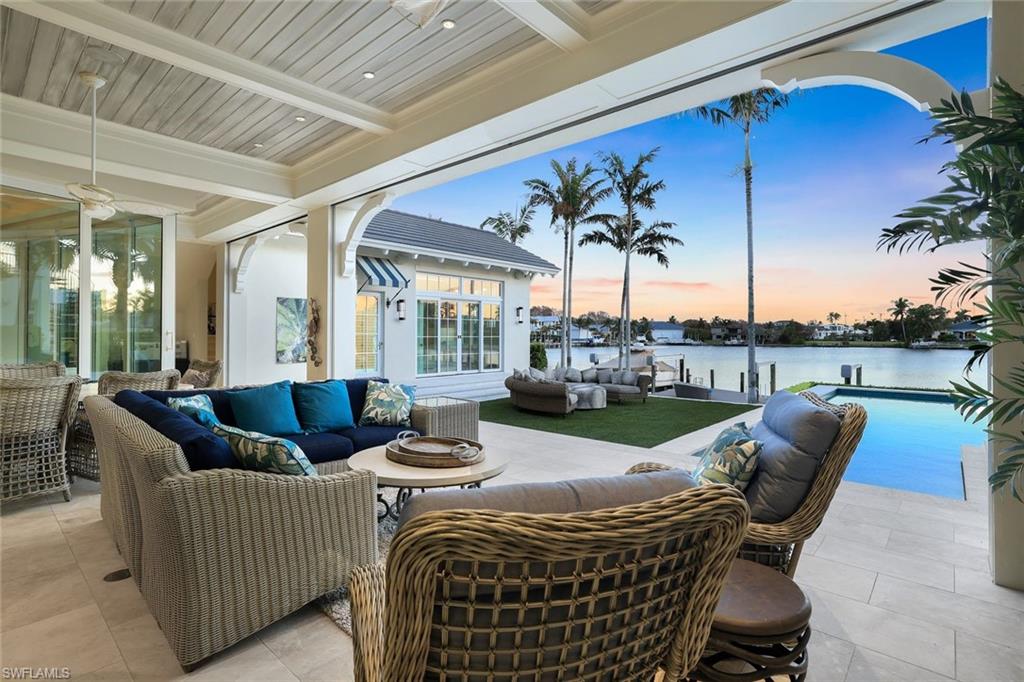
[
  {"x": 572, "y": 199},
  {"x": 833, "y": 317},
  {"x": 650, "y": 241},
  {"x": 512, "y": 226},
  {"x": 743, "y": 111},
  {"x": 635, "y": 191},
  {"x": 900, "y": 308}
]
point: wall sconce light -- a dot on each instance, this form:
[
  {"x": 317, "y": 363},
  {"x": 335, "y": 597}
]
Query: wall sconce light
[
  {"x": 519, "y": 314},
  {"x": 400, "y": 308}
]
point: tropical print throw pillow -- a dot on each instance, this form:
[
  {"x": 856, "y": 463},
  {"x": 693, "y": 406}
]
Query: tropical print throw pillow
[
  {"x": 258, "y": 452},
  {"x": 731, "y": 459},
  {"x": 387, "y": 404},
  {"x": 192, "y": 405}
]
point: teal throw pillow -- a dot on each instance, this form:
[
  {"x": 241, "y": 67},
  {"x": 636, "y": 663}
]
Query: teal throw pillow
[
  {"x": 192, "y": 405},
  {"x": 731, "y": 459},
  {"x": 267, "y": 409},
  {"x": 387, "y": 404},
  {"x": 258, "y": 452},
  {"x": 323, "y": 406}
]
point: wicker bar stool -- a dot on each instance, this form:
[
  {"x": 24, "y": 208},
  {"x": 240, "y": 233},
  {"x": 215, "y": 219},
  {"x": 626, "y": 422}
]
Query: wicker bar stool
[{"x": 760, "y": 630}]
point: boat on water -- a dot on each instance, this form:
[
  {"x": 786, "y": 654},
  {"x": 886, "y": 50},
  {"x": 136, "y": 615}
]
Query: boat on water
[
  {"x": 924, "y": 344},
  {"x": 637, "y": 347}
]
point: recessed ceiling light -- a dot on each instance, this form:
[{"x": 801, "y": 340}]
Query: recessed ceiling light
[
  {"x": 257, "y": 144},
  {"x": 300, "y": 119},
  {"x": 448, "y": 24},
  {"x": 369, "y": 74}
]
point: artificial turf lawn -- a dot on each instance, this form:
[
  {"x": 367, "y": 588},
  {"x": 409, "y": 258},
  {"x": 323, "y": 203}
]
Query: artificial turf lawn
[{"x": 631, "y": 423}]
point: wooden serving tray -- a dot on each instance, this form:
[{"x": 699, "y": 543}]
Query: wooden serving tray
[{"x": 431, "y": 452}]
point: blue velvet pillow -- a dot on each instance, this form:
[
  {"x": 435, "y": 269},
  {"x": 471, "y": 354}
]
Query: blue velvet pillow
[
  {"x": 268, "y": 409},
  {"x": 323, "y": 406},
  {"x": 202, "y": 448}
]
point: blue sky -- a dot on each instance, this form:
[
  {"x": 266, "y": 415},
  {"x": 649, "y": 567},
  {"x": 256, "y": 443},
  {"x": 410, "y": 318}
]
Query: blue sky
[{"x": 830, "y": 172}]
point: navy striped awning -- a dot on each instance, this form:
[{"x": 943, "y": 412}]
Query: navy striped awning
[{"x": 381, "y": 272}]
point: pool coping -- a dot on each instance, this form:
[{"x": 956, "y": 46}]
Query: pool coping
[{"x": 826, "y": 391}]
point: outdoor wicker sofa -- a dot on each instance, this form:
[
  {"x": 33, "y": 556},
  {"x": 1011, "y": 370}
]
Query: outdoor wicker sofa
[
  {"x": 552, "y": 391},
  {"x": 547, "y": 397},
  {"x": 779, "y": 544},
  {"x": 219, "y": 554},
  {"x": 614, "y": 591},
  {"x": 34, "y": 419}
]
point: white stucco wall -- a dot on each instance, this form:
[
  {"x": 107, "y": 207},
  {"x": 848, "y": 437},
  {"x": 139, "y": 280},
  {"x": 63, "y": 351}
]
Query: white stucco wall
[
  {"x": 194, "y": 263},
  {"x": 277, "y": 269}
]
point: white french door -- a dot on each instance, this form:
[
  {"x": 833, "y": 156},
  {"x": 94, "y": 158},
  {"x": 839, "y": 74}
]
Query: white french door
[{"x": 369, "y": 335}]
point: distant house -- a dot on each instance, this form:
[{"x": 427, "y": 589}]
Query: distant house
[
  {"x": 836, "y": 331},
  {"x": 668, "y": 332},
  {"x": 728, "y": 331},
  {"x": 965, "y": 331},
  {"x": 539, "y": 322}
]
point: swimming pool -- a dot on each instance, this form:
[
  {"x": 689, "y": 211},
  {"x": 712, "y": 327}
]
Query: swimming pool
[{"x": 912, "y": 440}]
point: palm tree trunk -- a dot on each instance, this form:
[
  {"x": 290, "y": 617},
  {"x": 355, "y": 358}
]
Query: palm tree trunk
[
  {"x": 624, "y": 362},
  {"x": 565, "y": 295},
  {"x": 748, "y": 178},
  {"x": 571, "y": 231},
  {"x": 622, "y": 316}
]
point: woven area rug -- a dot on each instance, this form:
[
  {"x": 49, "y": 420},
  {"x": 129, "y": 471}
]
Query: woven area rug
[{"x": 336, "y": 604}]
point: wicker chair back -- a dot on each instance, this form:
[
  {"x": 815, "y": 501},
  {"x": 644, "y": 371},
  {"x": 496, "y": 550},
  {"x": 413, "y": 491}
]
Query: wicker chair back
[{"x": 111, "y": 383}]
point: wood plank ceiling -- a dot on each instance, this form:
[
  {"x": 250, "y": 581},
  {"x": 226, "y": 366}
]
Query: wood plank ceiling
[{"x": 330, "y": 44}]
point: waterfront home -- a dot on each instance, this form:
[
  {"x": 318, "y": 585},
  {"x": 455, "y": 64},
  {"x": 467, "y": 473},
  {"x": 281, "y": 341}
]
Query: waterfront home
[
  {"x": 668, "y": 332},
  {"x": 837, "y": 331},
  {"x": 210, "y": 183}
]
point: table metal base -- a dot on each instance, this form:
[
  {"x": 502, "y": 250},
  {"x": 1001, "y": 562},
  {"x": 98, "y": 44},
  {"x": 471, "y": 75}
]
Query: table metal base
[{"x": 394, "y": 509}]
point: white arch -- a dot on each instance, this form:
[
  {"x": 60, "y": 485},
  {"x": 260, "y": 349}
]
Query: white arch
[
  {"x": 916, "y": 85},
  {"x": 352, "y": 221},
  {"x": 254, "y": 242}
]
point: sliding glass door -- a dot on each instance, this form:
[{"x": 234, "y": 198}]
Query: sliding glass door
[
  {"x": 457, "y": 336},
  {"x": 39, "y": 272}
]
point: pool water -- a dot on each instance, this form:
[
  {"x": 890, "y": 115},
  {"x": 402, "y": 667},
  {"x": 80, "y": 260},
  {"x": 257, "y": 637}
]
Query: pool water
[{"x": 911, "y": 442}]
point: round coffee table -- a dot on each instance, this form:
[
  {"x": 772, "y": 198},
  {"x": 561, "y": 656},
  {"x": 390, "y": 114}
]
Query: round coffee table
[{"x": 409, "y": 478}]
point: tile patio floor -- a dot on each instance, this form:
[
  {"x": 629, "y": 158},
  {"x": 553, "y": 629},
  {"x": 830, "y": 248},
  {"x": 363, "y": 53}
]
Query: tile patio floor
[{"x": 899, "y": 583}]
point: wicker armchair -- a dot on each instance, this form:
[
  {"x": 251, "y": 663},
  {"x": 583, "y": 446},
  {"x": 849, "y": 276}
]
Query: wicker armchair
[
  {"x": 42, "y": 370},
  {"x": 202, "y": 373},
  {"x": 615, "y": 594},
  {"x": 113, "y": 382},
  {"x": 221, "y": 553},
  {"x": 779, "y": 544},
  {"x": 34, "y": 419}
]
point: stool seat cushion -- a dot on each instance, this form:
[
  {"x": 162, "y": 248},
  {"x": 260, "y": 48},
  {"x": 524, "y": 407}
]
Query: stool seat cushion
[{"x": 760, "y": 602}]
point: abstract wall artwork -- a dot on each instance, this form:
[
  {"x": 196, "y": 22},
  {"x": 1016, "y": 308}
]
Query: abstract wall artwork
[{"x": 291, "y": 330}]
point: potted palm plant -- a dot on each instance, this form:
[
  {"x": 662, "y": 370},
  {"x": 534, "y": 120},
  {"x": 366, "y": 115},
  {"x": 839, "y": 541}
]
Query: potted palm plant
[{"x": 984, "y": 201}]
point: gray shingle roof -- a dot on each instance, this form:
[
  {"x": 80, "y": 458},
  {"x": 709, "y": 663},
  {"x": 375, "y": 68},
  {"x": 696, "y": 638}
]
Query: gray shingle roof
[{"x": 417, "y": 232}]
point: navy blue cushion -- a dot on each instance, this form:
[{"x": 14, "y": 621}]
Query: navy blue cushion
[
  {"x": 323, "y": 447},
  {"x": 268, "y": 409},
  {"x": 322, "y": 406},
  {"x": 202, "y": 448},
  {"x": 218, "y": 396},
  {"x": 363, "y": 437},
  {"x": 357, "y": 392}
]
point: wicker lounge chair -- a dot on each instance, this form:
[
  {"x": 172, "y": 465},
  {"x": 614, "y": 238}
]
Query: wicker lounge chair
[
  {"x": 219, "y": 554},
  {"x": 202, "y": 373},
  {"x": 34, "y": 419},
  {"x": 42, "y": 370},
  {"x": 83, "y": 460},
  {"x": 613, "y": 594},
  {"x": 779, "y": 544}
]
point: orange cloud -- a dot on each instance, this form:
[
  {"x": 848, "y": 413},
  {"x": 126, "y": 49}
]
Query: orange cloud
[
  {"x": 597, "y": 282},
  {"x": 678, "y": 284}
]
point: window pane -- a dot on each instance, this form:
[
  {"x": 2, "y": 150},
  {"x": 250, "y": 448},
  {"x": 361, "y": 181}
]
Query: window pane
[
  {"x": 367, "y": 333},
  {"x": 126, "y": 277},
  {"x": 426, "y": 337},
  {"x": 492, "y": 336},
  {"x": 483, "y": 287},
  {"x": 446, "y": 284},
  {"x": 448, "y": 341},
  {"x": 470, "y": 337},
  {"x": 38, "y": 279}
]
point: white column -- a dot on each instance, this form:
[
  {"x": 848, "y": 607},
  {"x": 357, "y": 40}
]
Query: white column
[
  {"x": 1006, "y": 515},
  {"x": 168, "y": 291},
  {"x": 84, "y": 294},
  {"x": 320, "y": 250}
]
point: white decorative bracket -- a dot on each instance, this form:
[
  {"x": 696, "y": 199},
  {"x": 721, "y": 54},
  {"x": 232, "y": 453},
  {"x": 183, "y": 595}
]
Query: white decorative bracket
[
  {"x": 916, "y": 85},
  {"x": 361, "y": 215},
  {"x": 253, "y": 243}
]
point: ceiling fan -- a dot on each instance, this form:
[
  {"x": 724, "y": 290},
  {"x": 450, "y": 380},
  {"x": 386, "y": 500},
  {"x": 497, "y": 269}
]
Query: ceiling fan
[{"x": 99, "y": 202}]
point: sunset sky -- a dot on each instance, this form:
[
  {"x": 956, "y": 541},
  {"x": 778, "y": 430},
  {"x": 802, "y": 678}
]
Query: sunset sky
[{"x": 830, "y": 172}]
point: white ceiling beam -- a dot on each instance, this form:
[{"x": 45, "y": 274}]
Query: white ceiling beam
[
  {"x": 563, "y": 23},
  {"x": 43, "y": 133},
  {"x": 110, "y": 25}
]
